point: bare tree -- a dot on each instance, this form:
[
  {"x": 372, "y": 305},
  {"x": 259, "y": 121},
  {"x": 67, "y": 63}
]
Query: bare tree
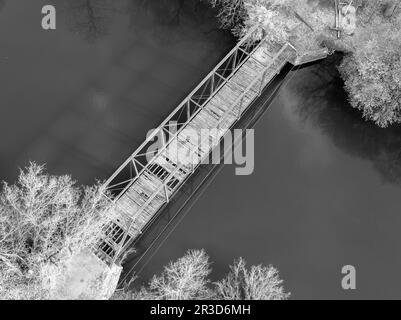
[
  {"x": 184, "y": 279},
  {"x": 187, "y": 279},
  {"x": 257, "y": 283},
  {"x": 231, "y": 12},
  {"x": 44, "y": 220}
]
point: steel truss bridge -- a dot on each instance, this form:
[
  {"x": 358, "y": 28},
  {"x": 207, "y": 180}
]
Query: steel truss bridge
[{"x": 151, "y": 176}]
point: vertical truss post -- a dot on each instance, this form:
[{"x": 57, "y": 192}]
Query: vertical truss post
[
  {"x": 234, "y": 65},
  {"x": 166, "y": 192},
  {"x": 121, "y": 245},
  {"x": 188, "y": 110},
  {"x": 135, "y": 167}
]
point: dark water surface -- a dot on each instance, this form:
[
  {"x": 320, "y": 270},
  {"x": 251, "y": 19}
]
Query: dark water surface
[
  {"x": 81, "y": 98},
  {"x": 325, "y": 193},
  {"x": 326, "y": 186}
]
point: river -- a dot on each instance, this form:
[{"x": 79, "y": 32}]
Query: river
[
  {"x": 325, "y": 193},
  {"x": 82, "y": 97},
  {"x": 326, "y": 187}
]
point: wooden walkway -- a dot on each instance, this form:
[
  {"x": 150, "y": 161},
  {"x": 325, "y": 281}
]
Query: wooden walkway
[{"x": 149, "y": 178}]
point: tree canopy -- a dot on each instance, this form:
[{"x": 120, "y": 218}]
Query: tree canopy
[
  {"x": 372, "y": 73},
  {"x": 188, "y": 279},
  {"x": 44, "y": 219},
  {"x": 256, "y": 283},
  {"x": 371, "y": 69}
]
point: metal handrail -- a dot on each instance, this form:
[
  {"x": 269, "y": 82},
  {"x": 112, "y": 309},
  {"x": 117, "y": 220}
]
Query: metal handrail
[
  {"x": 182, "y": 104},
  {"x": 193, "y": 150},
  {"x": 160, "y": 128}
]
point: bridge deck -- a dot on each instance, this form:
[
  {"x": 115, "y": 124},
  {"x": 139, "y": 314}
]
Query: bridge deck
[{"x": 216, "y": 104}]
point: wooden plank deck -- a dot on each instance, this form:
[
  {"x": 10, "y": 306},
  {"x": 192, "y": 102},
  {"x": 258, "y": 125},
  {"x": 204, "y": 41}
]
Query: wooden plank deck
[{"x": 157, "y": 183}]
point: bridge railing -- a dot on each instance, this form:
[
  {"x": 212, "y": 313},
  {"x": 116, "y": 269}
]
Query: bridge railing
[
  {"x": 142, "y": 161},
  {"x": 272, "y": 68},
  {"x": 142, "y": 158}
]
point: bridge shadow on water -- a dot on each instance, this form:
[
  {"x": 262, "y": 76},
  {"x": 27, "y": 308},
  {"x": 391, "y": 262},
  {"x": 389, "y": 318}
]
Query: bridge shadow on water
[
  {"x": 168, "y": 218},
  {"x": 320, "y": 100}
]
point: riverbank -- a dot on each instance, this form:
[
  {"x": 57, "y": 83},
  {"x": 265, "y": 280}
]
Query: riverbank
[
  {"x": 338, "y": 25},
  {"x": 369, "y": 32},
  {"x": 106, "y": 81}
]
